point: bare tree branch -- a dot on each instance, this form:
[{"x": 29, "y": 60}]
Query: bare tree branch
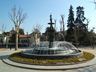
[{"x": 17, "y": 17}]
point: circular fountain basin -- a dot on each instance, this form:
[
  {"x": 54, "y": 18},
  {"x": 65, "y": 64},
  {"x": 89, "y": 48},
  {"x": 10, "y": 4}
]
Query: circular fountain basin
[{"x": 59, "y": 51}]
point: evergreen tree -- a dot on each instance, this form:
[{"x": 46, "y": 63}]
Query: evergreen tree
[
  {"x": 80, "y": 26},
  {"x": 70, "y": 25},
  {"x": 21, "y": 31},
  {"x": 47, "y": 32},
  {"x": 13, "y": 35}
]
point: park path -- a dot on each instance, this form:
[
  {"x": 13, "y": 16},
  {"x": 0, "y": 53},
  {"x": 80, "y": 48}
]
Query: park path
[{"x": 7, "y": 68}]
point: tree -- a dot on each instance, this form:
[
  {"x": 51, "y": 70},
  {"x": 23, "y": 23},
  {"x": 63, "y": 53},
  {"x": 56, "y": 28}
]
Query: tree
[
  {"x": 80, "y": 15},
  {"x": 47, "y": 32},
  {"x": 62, "y": 30},
  {"x": 36, "y": 34},
  {"x": 36, "y": 29},
  {"x": 21, "y": 31},
  {"x": 80, "y": 26},
  {"x": 70, "y": 25},
  {"x": 13, "y": 35},
  {"x": 3, "y": 28},
  {"x": 17, "y": 17},
  {"x": 92, "y": 37}
]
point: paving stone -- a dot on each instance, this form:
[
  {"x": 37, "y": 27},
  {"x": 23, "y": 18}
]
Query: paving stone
[{"x": 7, "y": 68}]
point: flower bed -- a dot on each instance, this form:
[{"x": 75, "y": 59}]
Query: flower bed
[{"x": 86, "y": 57}]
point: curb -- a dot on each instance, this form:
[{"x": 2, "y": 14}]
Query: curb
[
  {"x": 44, "y": 67},
  {"x": 64, "y": 67}
]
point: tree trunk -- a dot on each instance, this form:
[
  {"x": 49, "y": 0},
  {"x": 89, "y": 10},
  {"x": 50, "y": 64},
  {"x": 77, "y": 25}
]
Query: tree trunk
[
  {"x": 16, "y": 42},
  {"x": 7, "y": 42},
  {"x": 17, "y": 30}
]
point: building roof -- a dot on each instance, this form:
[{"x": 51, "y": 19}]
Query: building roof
[{"x": 24, "y": 36}]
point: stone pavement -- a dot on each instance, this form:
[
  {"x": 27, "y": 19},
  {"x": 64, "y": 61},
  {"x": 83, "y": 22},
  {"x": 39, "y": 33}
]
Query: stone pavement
[
  {"x": 63, "y": 67},
  {"x": 7, "y": 68},
  {"x": 3, "y": 49}
]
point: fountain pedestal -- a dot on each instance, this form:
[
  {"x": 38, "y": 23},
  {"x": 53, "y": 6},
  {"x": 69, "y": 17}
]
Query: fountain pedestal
[{"x": 51, "y": 32}]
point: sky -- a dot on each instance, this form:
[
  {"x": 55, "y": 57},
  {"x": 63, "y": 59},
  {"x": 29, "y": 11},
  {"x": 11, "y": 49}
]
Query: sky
[{"x": 38, "y": 12}]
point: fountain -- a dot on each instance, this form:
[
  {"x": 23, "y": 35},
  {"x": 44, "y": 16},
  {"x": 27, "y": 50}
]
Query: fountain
[
  {"x": 51, "y": 33},
  {"x": 52, "y": 49}
]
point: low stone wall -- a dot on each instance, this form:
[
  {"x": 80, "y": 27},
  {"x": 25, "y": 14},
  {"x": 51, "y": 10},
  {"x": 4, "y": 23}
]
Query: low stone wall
[{"x": 50, "y": 56}]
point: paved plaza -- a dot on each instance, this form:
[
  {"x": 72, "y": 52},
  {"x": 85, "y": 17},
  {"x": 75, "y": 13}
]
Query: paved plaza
[{"x": 7, "y": 68}]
